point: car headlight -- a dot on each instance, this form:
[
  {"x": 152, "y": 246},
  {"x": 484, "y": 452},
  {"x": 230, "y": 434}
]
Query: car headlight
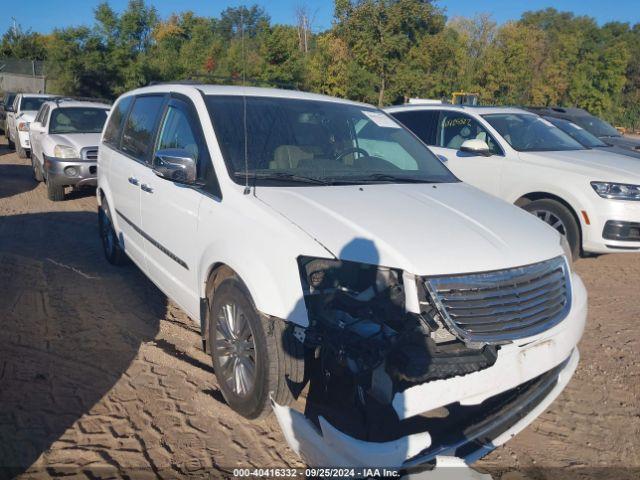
[
  {"x": 64, "y": 151},
  {"x": 23, "y": 126},
  {"x": 617, "y": 191},
  {"x": 567, "y": 248}
]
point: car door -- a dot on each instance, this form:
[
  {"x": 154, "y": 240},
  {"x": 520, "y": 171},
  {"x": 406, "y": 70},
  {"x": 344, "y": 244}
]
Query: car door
[
  {"x": 454, "y": 127},
  {"x": 37, "y": 131},
  {"x": 170, "y": 209},
  {"x": 128, "y": 166}
]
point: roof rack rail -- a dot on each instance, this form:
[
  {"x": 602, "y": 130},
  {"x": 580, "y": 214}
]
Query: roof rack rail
[
  {"x": 204, "y": 78},
  {"x": 81, "y": 99}
]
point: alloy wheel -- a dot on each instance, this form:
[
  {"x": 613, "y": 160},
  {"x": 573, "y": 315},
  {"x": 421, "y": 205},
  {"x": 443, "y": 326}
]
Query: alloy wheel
[
  {"x": 235, "y": 350},
  {"x": 551, "y": 219}
]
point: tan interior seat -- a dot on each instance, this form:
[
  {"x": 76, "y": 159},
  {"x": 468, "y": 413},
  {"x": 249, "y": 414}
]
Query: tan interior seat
[{"x": 288, "y": 156}]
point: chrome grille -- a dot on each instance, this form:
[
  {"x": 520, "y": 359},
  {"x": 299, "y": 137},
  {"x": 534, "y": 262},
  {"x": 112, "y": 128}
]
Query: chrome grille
[
  {"x": 90, "y": 153},
  {"x": 503, "y": 305}
]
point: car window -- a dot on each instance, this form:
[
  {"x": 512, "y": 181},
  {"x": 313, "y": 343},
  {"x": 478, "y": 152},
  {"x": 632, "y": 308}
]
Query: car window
[
  {"x": 454, "y": 128},
  {"x": 32, "y": 103},
  {"x": 116, "y": 120},
  {"x": 176, "y": 132},
  {"x": 424, "y": 123},
  {"x": 321, "y": 141},
  {"x": 78, "y": 120},
  {"x": 40, "y": 114},
  {"x": 527, "y": 132},
  {"x": 139, "y": 128},
  {"x": 596, "y": 126},
  {"x": 45, "y": 116},
  {"x": 576, "y": 132}
]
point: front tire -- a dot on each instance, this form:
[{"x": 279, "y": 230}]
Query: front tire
[
  {"x": 559, "y": 217},
  {"x": 113, "y": 251},
  {"x": 22, "y": 153},
  {"x": 37, "y": 173},
  {"x": 255, "y": 357},
  {"x": 55, "y": 193}
]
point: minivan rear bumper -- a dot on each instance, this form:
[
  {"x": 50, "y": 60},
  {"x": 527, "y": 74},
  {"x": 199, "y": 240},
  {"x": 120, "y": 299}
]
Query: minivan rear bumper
[{"x": 74, "y": 172}]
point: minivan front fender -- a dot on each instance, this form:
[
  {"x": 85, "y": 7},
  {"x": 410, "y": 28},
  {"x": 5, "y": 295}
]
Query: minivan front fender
[{"x": 274, "y": 284}]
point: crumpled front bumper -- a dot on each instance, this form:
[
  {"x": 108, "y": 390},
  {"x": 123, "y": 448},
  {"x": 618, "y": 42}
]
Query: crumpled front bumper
[{"x": 530, "y": 374}]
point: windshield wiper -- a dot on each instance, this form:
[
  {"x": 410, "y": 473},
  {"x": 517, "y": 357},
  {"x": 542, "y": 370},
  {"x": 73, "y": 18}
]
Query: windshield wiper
[
  {"x": 288, "y": 177},
  {"x": 384, "y": 177}
]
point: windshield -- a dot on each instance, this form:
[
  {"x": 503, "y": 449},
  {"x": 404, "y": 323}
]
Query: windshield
[
  {"x": 527, "y": 132},
  {"x": 598, "y": 127},
  {"x": 577, "y": 132},
  {"x": 32, "y": 103},
  {"x": 78, "y": 120},
  {"x": 318, "y": 142}
]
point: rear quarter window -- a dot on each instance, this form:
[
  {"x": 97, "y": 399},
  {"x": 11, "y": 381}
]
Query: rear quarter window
[{"x": 424, "y": 123}]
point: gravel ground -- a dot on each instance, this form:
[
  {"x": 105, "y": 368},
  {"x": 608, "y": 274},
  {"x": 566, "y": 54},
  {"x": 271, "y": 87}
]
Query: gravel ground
[{"x": 102, "y": 377}]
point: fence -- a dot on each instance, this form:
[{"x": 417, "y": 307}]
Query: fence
[{"x": 22, "y": 75}]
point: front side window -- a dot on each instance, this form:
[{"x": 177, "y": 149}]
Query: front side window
[
  {"x": 577, "y": 132},
  {"x": 527, "y": 132},
  {"x": 40, "y": 114},
  {"x": 139, "y": 128},
  {"x": 317, "y": 142},
  {"x": 32, "y": 103},
  {"x": 116, "y": 121},
  {"x": 176, "y": 132},
  {"x": 455, "y": 128},
  {"x": 78, "y": 120}
]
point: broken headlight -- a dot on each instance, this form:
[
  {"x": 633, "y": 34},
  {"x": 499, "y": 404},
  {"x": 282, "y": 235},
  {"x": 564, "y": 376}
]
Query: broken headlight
[{"x": 355, "y": 308}]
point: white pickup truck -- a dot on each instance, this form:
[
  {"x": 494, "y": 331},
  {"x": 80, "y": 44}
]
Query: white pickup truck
[{"x": 19, "y": 117}]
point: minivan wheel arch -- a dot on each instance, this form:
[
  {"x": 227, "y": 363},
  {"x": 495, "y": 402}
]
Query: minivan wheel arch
[{"x": 524, "y": 200}]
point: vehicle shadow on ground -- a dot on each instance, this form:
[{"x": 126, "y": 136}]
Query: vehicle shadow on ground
[
  {"x": 71, "y": 325},
  {"x": 16, "y": 179}
]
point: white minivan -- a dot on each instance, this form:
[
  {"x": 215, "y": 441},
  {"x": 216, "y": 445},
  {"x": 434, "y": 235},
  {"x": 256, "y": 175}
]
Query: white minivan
[
  {"x": 589, "y": 195},
  {"x": 413, "y": 315}
]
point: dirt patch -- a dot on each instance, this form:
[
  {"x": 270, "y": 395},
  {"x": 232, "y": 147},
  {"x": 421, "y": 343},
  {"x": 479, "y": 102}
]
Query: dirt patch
[{"x": 101, "y": 376}]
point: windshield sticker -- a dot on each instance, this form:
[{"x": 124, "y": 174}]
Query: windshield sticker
[{"x": 381, "y": 120}]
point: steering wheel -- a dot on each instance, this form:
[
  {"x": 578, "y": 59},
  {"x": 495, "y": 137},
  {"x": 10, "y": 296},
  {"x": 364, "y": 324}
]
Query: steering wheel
[{"x": 351, "y": 150}]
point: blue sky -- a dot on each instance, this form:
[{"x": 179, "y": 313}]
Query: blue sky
[{"x": 44, "y": 16}]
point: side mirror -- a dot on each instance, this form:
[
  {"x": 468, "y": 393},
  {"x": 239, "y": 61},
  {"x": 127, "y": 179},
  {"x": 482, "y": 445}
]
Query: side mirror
[
  {"x": 175, "y": 164},
  {"x": 476, "y": 146}
]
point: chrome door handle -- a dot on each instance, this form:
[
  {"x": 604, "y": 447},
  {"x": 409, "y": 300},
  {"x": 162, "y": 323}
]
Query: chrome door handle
[
  {"x": 146, "y": 188},
  {"x": 133, "y": 181}
]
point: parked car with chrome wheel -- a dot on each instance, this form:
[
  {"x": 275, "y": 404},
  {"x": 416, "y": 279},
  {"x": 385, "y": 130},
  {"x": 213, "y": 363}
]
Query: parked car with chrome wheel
[
  {"x": 590, "y": 196},
  {"x": 64, "y": 139}
]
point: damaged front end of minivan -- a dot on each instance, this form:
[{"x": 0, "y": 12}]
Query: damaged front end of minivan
[{"x": 404, "y": 369}]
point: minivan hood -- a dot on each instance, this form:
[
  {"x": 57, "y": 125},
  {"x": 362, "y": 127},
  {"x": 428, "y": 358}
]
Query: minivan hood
[
  {"x": 77, "y": 140},
  {"x": 421, "y": 228},
  {"x": 596, "y": 164}
]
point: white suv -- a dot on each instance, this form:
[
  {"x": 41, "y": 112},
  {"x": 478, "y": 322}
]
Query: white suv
[
  {"x": 19, "y": 116},
  {"x": 64, "y": 138},
  {"x": 379, "y": 280},
  {"x": 589, "y": 195}
]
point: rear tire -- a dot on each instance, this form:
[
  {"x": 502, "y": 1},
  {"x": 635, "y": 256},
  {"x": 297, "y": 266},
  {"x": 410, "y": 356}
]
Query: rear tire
[
  {"x": 111, "y": 247},
  {"x": 255, "y": 357},
  {"x": 558, "y": 216},
  {"x": 55, "y": 193}
]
